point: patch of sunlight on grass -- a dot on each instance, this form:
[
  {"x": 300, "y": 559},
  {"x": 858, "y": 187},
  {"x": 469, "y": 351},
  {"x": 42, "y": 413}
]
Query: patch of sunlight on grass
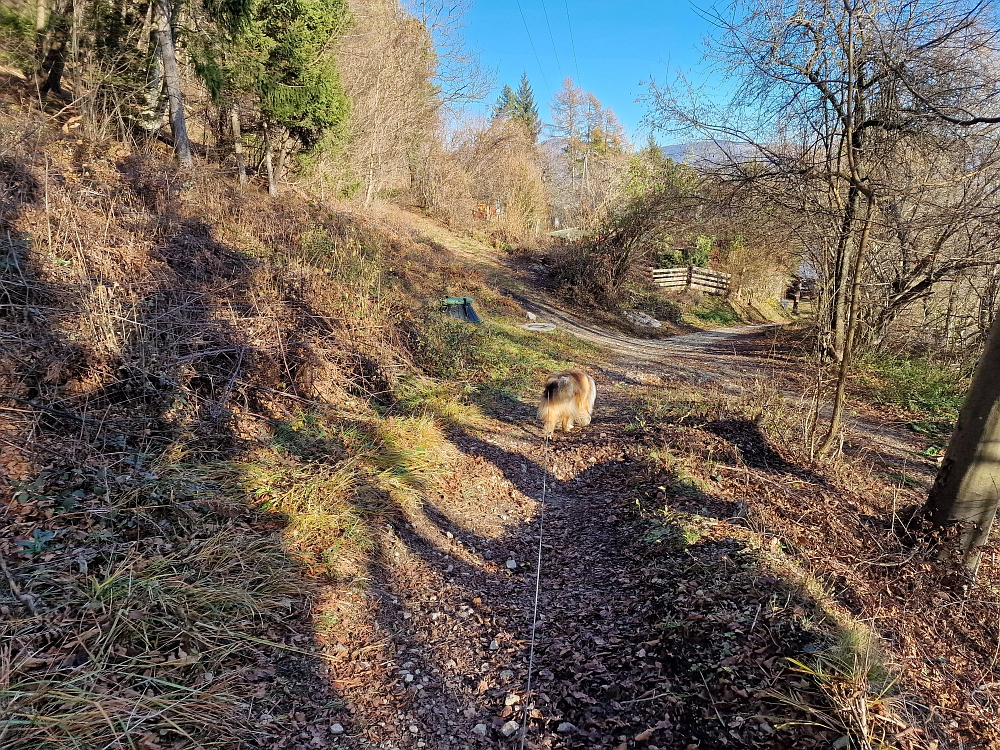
[
  {"x": 497, "y": 357},
  {"x": 445, "y": 401}
]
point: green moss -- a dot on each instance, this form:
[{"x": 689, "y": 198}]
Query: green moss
[{"x": 715, "y": 311}]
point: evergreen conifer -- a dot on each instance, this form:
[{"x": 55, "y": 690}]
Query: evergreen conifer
[
  {"x": 525, "y": 109},
  {"x": 520, "y": 105},
  {"x": 505, "y": 103}
]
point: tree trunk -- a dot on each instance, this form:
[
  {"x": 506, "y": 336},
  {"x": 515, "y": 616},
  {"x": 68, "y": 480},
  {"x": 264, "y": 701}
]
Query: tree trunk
[
  {"x": 241, "y": 165},
  {"x": 949, "y": 318},
  {"x": 41, "y": 14},
  {"x": 840, "y": 308},
  {"x": 171, "y": 75},
  {"x": 852, "y": 327},
  {"x": 54, "y": 67},
  {"x": 156, "y": 104},
  {"x": 75, "y": 50},
  {"x": 283, "y": 146},
  {"x": 967, "y": 487},
  {"x": 370, "y": 190},
  {"x": 148, "y": 27},
  {"x": 988, "y": 300},
  {"x": 272, "y": 185},
  {"x": 41, "y": 22}
]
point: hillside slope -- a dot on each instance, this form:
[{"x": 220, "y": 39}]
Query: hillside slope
[{"x": 262, "y": 493}]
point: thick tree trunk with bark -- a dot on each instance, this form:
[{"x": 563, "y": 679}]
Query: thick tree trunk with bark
[
  {"x": 172, "y": 79},
  {"x": 156, "y": 106},
  {"x": 967, "y": 488}
]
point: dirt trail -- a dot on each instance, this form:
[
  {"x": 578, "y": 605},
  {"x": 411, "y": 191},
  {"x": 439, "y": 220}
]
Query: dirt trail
[
  {"x": 456, "y": 607},
  {"x": 639, "y": 645}
]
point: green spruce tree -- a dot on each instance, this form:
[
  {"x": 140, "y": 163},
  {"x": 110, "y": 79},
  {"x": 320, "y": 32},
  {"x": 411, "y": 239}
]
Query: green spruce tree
[
  {"x": 520, "y": 106},
  {"x": 505, "y": 103},
  {"x": 298, "y": 82},
  {"x": 525, "y": 109},
  {"x": 277, "y": 65}
]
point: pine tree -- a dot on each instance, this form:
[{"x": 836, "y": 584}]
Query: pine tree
[
  {"x": 520, "y": 106},
  {"x": 505, "y": 103},
  {"x": 299, "y": 85},
  {"x": 525, "y": 109},
  {"x": 277, "y": 61}
]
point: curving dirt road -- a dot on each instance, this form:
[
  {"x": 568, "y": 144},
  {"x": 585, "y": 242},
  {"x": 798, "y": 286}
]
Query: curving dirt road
[{"x": 703, "y": 356}]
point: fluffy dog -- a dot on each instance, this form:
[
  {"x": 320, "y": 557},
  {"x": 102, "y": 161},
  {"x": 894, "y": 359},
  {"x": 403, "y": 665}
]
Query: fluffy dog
[{"x": 568, "y": 397}]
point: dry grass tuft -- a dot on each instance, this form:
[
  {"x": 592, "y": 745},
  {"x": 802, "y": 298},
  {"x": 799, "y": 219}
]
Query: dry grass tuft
[{"x": 142, "y": 646}]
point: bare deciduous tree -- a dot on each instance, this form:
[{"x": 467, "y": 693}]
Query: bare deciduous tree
[
  {"x": 837, "y": 101},
  {"x": 401, "y": 67}
]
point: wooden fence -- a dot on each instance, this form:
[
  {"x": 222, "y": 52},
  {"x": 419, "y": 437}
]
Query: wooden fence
[{"x": 700, "y": 279}]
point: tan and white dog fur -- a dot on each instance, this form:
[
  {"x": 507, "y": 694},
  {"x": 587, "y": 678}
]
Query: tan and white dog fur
[{"x": 568, "y": 398}]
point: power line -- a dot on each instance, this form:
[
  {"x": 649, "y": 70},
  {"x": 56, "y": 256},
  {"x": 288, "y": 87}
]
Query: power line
[
  {"x": 576, "y": 63},
  {"x": 532, "y": 43},
  {"x": 552, "y": 39}
]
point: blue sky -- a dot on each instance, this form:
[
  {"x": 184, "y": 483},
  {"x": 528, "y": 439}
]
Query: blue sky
[{"x": 618, "y": 45}]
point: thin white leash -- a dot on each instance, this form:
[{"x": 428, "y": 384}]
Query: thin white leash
[{"x": 538, "y": 583}]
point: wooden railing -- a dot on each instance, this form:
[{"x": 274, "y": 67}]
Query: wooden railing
[{"x": 700, "y": 279}]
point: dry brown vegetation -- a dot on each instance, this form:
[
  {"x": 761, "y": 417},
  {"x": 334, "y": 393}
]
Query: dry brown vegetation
[
  {"x": 208, "y": 398},
  {"x": 909, "y": 656},
  {"x": 227, "y": 422}
]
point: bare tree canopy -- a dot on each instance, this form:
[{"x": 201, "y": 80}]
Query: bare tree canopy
[{"x": 873, "y": 125}]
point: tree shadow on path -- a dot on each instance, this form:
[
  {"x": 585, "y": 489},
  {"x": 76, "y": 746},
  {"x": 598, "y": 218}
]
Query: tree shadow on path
[{"x": 642, "y": 634}]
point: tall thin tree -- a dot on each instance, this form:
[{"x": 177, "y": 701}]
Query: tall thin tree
[{"x": 172, "y": 80}]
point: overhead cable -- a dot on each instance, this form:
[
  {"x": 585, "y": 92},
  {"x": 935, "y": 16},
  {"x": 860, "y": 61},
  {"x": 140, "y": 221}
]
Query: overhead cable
[
  {"x": 532, "y": 43},
  {"x": 576, "y": 63},
  {"x": 552, "y": 39}
]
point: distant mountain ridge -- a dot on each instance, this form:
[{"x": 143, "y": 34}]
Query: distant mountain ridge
[
  {"x": 693, "y": 153},
  {"x": 700, "y": 153}
]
